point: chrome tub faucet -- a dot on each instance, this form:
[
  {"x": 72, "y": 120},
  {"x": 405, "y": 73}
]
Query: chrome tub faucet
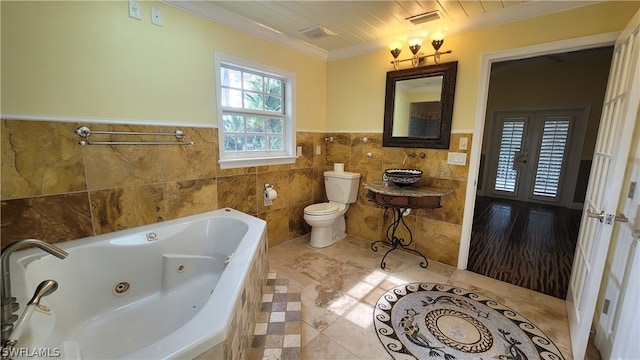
[{"x": 9, "y": 303}]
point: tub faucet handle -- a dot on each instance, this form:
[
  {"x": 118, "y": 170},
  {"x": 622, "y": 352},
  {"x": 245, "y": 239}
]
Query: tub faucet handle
[{"x": 45, "y": 288}]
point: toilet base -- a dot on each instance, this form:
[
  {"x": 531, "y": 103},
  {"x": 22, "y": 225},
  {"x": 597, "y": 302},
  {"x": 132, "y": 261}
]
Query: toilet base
[{"x": 323, "y": 236}]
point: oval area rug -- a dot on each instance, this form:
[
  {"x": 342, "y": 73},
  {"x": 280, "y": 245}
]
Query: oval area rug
[{"x": 427, "y": 320}]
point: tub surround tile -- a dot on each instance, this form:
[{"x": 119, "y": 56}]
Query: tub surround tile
[
  {"x": 40, "y": 158},
  {"x": 124, "y": 208},
  {"x": 238, "y": 192},
  {"x": 32, "y": 218},
  {"x": 188, "y": 162},
  {"x": 190, "y": 197},
  {"x": 115, "y": 166},
  {"x": 189, "y": 177}
]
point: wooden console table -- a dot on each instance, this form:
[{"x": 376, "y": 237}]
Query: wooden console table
[{"x": 399, "y": 199}]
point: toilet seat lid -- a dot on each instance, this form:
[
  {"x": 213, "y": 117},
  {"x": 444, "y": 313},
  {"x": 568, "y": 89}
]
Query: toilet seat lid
[{"x": 321, "y": 209}]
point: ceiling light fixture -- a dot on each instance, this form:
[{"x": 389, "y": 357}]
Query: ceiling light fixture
[{"x": 418, "y": 58}]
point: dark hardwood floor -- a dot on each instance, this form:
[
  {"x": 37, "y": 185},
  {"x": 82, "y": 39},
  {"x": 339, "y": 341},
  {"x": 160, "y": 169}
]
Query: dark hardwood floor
[{"x": 525, "y": 244}]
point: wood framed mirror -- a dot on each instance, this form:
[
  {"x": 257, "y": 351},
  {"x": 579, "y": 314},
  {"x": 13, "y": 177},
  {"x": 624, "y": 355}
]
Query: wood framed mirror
[{"x": 419, "y": 105}]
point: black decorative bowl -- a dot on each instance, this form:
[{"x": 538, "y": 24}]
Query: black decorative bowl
[{"x": 403, "y": 177}]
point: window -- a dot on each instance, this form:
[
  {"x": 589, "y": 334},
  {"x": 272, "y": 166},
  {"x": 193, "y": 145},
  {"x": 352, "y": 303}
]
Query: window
[
  {"x": 550, "y": 160},
  {"x": 255, "y": 114},
  {"x": 510, "y": 145}
]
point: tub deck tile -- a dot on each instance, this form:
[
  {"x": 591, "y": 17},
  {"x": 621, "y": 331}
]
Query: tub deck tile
[{"x": 277, "y": 334}]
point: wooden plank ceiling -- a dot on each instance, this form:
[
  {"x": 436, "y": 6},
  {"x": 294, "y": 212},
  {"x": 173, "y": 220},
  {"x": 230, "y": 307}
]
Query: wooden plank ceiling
[{"x": 355, "y": 23}]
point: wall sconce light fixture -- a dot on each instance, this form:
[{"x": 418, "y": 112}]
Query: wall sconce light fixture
[{"x": 418, "y": 58}]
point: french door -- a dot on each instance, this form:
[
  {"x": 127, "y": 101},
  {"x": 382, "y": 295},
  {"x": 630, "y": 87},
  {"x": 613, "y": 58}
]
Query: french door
[
  {"x": 619, "y": 115},
  {"x": 530, "y": 151}
]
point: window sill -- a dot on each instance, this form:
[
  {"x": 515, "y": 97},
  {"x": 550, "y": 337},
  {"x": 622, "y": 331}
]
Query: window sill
[{"x": 247, "y": 162}]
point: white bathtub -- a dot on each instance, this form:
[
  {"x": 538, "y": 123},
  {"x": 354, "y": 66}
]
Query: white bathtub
[{"x": 180, "y": 297}]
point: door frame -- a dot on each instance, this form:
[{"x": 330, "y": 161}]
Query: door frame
[{"x": 576, "y": 44}]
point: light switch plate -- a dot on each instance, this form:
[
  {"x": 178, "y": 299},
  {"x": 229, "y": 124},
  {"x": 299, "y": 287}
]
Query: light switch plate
[
  {"x": 464, "y": 143},
  {"x": 455, "y": 158},
  {"x": 135, "y": 10}
]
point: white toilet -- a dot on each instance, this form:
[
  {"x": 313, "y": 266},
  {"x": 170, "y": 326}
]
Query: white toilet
[{"x": 327, "y": 219}]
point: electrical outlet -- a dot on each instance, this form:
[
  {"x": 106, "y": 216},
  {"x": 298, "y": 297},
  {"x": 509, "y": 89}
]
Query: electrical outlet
[
  {"x": 299, "y": 151},
  {"x": 135, "y": 11},
  {"x": 454, "y": 158},
  {"x": 156, "y": 16},
  {"x": 318, "y": 150}
]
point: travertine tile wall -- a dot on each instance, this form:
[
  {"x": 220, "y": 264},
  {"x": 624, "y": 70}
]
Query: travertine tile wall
[
  {"x": 437, "y": 231},
  {"x": 56, "y": 190}
]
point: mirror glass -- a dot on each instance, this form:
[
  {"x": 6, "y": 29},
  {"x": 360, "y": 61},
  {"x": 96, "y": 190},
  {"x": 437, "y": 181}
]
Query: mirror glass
[{"x": 419, "y": 105}]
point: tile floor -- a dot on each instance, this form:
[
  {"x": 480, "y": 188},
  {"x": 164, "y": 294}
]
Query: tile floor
[{"x": 340, "y": 285}]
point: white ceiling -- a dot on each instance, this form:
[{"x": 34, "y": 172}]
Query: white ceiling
[{"x": 363, "y": 26}]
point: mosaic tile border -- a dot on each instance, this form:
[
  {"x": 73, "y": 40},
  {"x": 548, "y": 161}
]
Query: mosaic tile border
[{"x": 278, "y": 330}]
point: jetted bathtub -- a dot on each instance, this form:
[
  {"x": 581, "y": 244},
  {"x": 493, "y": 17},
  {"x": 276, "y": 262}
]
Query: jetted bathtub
[{"x": 165, "y": 290}]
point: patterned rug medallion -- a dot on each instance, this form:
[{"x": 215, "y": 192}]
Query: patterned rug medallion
[{"x": 425, "y": 320}]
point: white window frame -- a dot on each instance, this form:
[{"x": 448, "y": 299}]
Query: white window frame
[{"x": 238, "y": 159}]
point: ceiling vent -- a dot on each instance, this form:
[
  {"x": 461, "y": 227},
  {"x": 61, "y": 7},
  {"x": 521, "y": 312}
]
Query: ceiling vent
[
  {"x": 317, "y": 32},
  {"x": 426, "y": 17}
]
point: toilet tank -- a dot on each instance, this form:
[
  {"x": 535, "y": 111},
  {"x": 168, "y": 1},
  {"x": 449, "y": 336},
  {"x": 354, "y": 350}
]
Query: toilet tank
[{"x": 341, "y": 186}]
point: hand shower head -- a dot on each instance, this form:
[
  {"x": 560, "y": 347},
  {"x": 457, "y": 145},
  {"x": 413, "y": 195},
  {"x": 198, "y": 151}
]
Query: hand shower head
[{"x": 45, "y": 288}]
